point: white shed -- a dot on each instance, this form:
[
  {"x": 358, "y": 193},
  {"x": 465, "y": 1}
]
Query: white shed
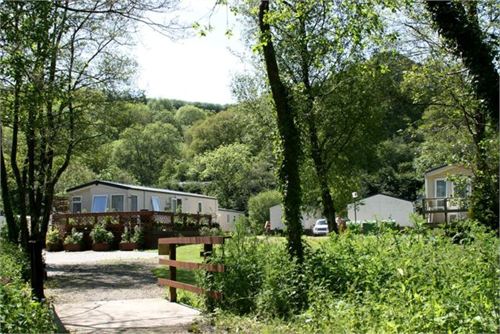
[
  {"x": 276, "y": 214},
  {"x": 382, "y": 207}
]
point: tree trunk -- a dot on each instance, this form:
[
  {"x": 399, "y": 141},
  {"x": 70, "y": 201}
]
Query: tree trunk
[
  {"x": 322, "y": 175},
  {"x": 289, "y": 135},
  {"x": 12, "y": 227},
  {"x": 463, "y": 34},
  {"x": 37, "y": 267}
]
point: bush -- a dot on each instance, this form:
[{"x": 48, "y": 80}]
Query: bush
[
  {"x": 126, "y": 235},
  {"x": 53, "y": 236},
  {"x": 100, "y": 235},
  {"x": 211, "y": 231},
  {"x": 417, "y": 281},
  {"x": 242, "y": 279},
  {"x": 138, "y": 236},
  {"x": 258, "y": 208},
  {"x": 74, "y": 238},
  {"x": 18, "y": 312}
]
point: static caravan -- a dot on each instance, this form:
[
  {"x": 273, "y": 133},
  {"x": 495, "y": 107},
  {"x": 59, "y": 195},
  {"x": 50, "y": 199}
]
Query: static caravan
[
  {"x": 106, "y": 196},
  {"x": 276, "y": 214},
  {"x": 381, "y": 207},
  {"x": 227, "y": 218}
]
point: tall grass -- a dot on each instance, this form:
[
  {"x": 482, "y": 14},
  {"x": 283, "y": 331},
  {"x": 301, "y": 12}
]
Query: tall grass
[{"x": 417, "y": 281}]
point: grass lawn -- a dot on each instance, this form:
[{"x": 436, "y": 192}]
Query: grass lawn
[{"x": 188, "y": 253}]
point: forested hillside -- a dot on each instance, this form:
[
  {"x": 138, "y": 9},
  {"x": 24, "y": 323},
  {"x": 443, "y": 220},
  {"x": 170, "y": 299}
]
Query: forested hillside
[{"x": 374, "y": 131}]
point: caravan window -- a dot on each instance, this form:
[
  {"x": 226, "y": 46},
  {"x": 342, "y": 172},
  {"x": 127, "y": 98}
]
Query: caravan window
[
  {"x": 155, "y": 203},
  {"x": 133, "y": 203},
  {"x": 441, "y": 189},
  {"x": 117, "y": 203},
  {"x": 99, "y": 203},
  {"x": 76, "y": 205}
]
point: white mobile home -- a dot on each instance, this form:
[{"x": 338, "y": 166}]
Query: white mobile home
[
  {"x": 382, "y": 207},
  {"x": 276, "y": 214},
  {"x": 226, "y": 218},
  {"x": 106, "y": 196}
]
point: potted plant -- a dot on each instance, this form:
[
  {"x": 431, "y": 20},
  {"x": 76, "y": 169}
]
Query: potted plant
[
  {"x": 126, "y": 243},
  {"x": 101, "y": 238},
  {"x": 138, "y": 236},
  {"x": 73, "y": 242},
  {"x": 53, "y": 240}
]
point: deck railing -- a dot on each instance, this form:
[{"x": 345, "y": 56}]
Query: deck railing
[
  {"x": 156, "y": 224},
  {"x": 437, "y": 210}
]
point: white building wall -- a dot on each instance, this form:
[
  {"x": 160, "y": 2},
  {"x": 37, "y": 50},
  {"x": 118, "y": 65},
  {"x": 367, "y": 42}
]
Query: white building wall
[
  {"x": 189, "y": 203},
  {"x": 227, "y": 219},
  {"x": 275, "y": 213},
  {"x": 382, "y": 207}
]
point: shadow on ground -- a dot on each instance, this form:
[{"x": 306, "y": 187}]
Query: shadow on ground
[{"x": 112, "y": 276}]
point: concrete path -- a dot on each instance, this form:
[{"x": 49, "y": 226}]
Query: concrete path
[
  {"x": 131, "y": 315},
  {"x": 112, "y": 292}
]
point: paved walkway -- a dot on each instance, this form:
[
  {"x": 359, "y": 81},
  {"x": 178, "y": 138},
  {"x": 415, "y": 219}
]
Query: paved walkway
[
  {"x": 130, "y": 315},
  {"x": 112, "y": 292}
]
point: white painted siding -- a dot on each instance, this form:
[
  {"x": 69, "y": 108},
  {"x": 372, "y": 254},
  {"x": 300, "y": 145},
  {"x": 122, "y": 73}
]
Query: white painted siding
[
  {"x": 382, "y": 207},
  {"x": 227, "y": 218},
  {"x": 275, "y": 213},
  {"x": 190, "y": 204}
]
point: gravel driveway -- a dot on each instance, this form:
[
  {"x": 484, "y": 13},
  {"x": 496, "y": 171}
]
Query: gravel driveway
[{"x": 92, "y": 276}]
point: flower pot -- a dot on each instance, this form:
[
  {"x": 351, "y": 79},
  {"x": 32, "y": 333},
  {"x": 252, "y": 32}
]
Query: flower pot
[
  {"x": 72, "y": 247},
  {"x": 53, "y": 247},
  {"x": 128, "y": 246},
  {"x": 100, "y": 247}
]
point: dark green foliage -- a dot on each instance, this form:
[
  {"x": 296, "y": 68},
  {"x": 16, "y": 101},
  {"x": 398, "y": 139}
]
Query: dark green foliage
[
  {"x": 258, "y": 208},
  {"x": 18, "y": 312},
  {"x": 242, "y": 280},
  {"x": 462, "y": 32}
]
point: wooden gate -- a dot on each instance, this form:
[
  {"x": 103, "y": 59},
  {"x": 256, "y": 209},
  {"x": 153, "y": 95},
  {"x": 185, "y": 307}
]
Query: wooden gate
[{"x": 167, "y": 246}]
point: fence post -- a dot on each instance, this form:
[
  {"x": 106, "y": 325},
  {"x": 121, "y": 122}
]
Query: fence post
[
  {"x": 172, "y": 273},
  {"x": 207, "y": 252}
]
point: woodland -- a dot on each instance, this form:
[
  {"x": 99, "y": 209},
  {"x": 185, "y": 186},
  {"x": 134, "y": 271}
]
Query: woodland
[{"x": 345, "y": 96}]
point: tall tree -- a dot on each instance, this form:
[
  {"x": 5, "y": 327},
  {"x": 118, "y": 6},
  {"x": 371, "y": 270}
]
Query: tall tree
[
  {"x": 458, "y": 24},
  {"x": 53, "y": 56},
  {"x": 289, "y": 136},
  {"x": 313, "y": 41}
]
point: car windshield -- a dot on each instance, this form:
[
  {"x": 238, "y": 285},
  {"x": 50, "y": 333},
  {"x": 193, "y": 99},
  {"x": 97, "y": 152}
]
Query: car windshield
[{"x": 321, "y": 222}]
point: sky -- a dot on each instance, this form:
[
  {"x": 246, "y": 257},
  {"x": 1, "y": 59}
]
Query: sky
[{"x": 196, "y": 69}]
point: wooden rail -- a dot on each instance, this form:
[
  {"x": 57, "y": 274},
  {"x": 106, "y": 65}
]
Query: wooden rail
[
  {"x": 167, "y": 246},
  {"x": 445, "y": 206}
]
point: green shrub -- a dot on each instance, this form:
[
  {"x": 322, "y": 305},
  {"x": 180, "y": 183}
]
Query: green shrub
[
  {"x": 138, "y": 236},
  {"x": 242, "y": 279},
  {"x": 19, "y": 313},
  {"x": 126, "y": 235},
  {"x": 258, "y": 208},
  {"x": 100, "y": 235},
  {"x": 74, "y": 238},
  {"x": 211, "y": 231},
  {"x": 416, "y": 281},
  {"x": 53, "y": 236}
]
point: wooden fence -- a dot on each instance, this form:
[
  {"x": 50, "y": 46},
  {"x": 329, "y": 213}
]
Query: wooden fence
[{"x": 167, "y": 246}]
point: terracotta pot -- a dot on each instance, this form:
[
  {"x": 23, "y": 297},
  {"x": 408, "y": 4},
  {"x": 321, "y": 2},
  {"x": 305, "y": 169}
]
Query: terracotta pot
[
  {"x": 53, "y": 247},
  {"x": 100, "y": 247},
  {"x": 128, "y": 246},
  {"x": 72, "y": 247}
]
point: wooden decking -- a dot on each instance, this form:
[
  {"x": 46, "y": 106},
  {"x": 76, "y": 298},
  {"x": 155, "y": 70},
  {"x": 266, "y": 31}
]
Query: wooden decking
[{"x": 441, "y": 210}]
